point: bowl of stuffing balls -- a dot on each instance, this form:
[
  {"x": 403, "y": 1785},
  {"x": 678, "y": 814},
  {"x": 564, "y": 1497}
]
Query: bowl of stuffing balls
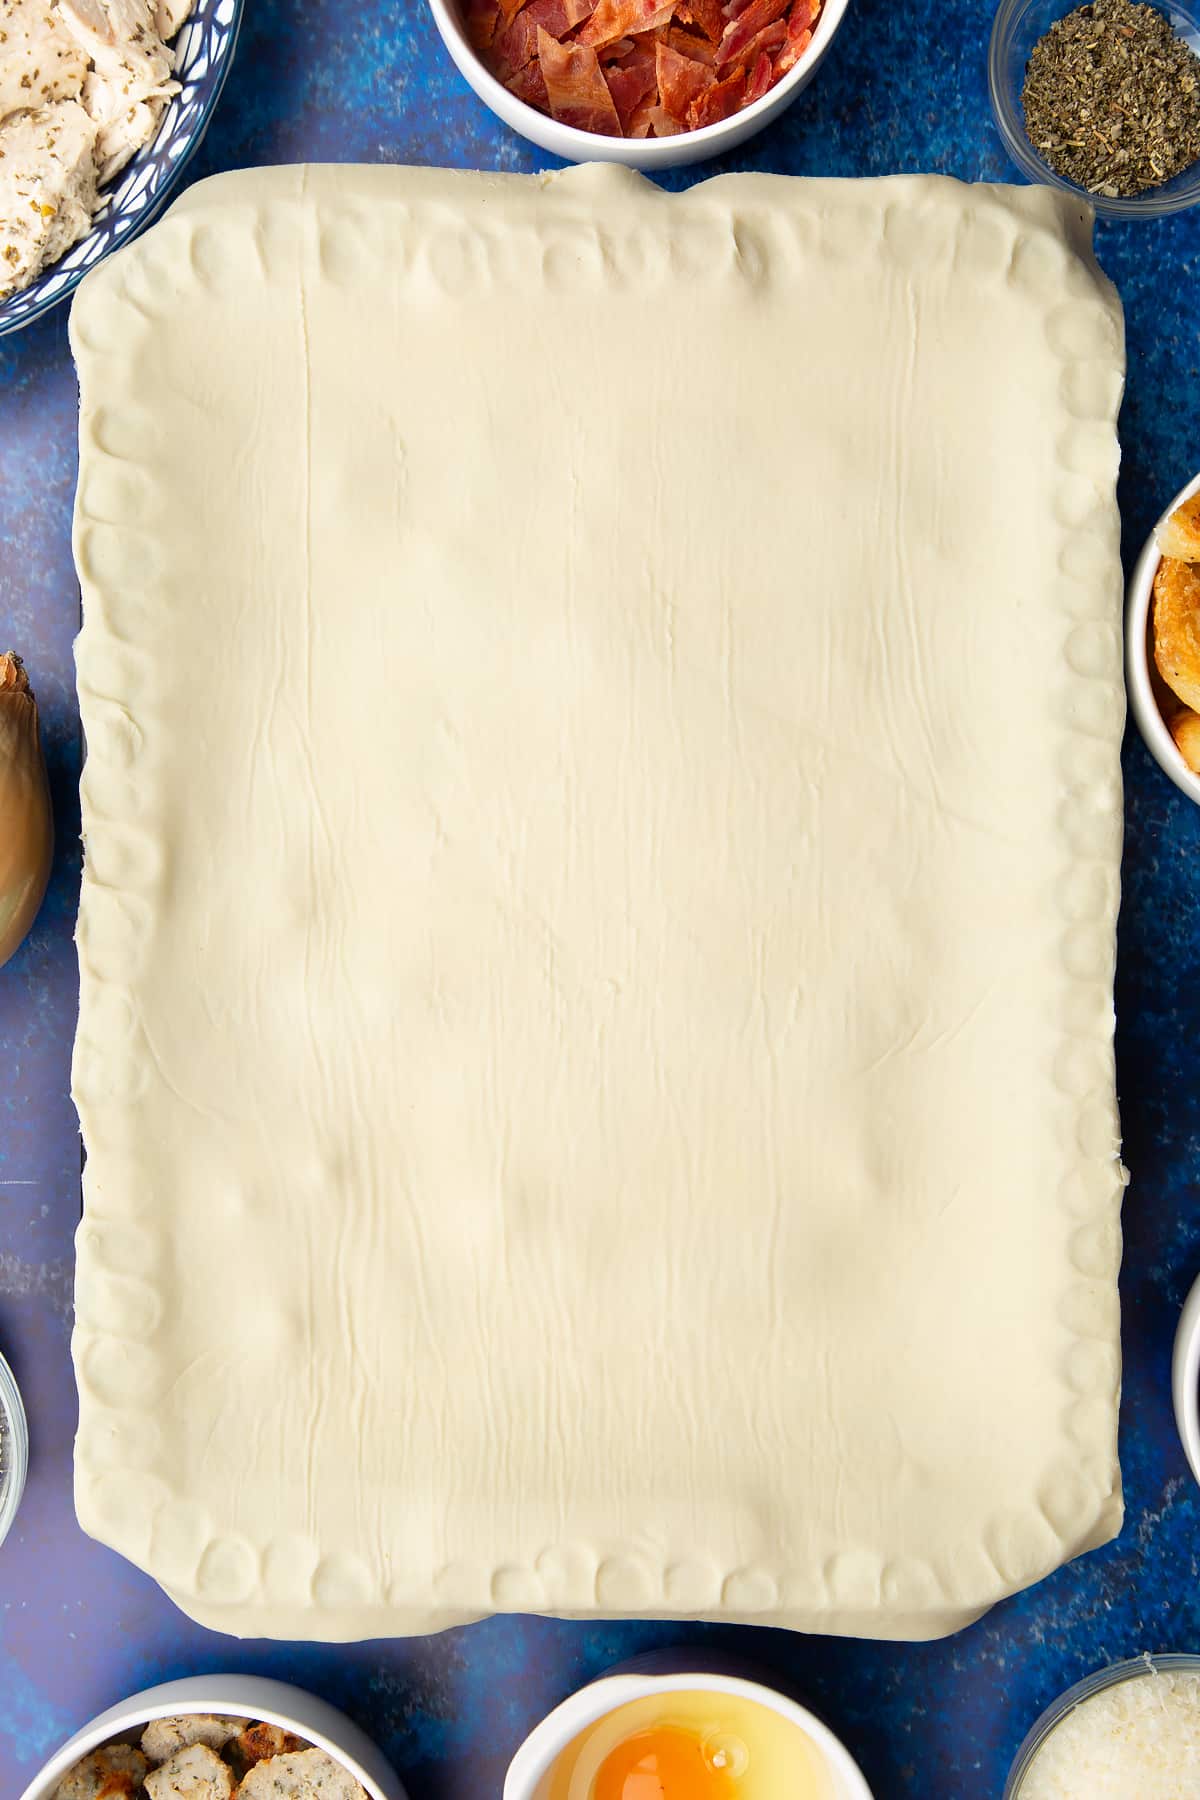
[
  {"x": 219, "y": 1737},
  {"x": 102, "y": 102},
  {"x": 649, "y": 83}
]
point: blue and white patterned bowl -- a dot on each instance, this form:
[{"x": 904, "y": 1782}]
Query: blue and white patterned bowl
[{"x": 204, "y": 50}]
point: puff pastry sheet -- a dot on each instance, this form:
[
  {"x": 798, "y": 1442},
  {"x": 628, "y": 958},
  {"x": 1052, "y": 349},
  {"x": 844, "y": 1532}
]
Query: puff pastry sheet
[{"x": 602, "y": 822}]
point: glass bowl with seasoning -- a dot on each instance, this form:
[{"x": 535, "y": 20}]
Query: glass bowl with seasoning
[
  {"x": 1130, "y": 1729},
  {"x": 1102, "y": 100},
  {"x": 14, "y": 1449}
]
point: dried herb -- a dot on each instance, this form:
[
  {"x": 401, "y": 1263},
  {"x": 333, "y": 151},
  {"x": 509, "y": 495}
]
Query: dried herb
[{"x": 1112, "y": 99}]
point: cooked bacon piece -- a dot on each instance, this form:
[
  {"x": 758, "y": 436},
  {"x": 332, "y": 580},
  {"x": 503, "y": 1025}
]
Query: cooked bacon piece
[
  {"x": 633, "y": 82},
  {"x": 575, "y": 85},
  {"x": 689, "y": 43},
  {"x": 741, "y": 32},
  {"x": 706, "y": 15},
  {"x": 718, "y": 101},
  {"x": 791, "y": 53},
  {"x": 641, "y": 125},
  {"x": 514, "y": 46},
  {"x": 771, "y": 39},
  {"x": 622, "y": 18},
  {"x": 481, "y": 19},
  {"x": 680, "y": 81},
  {"x": 662, "y": 124},
  {"x": 799, "y": 36},
  {"x": 761, "y": 77},
  {"x": 529, "y": 85},
  {"x": 639, "y": 68},
  {"x": 517, "y": 43}
]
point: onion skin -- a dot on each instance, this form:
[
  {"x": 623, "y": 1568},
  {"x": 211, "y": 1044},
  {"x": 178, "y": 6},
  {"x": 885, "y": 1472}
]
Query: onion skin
[{"x": 26, "y": 822}]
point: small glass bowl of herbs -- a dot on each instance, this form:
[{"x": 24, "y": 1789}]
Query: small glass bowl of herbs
[{"x": 1102, "y": 99}]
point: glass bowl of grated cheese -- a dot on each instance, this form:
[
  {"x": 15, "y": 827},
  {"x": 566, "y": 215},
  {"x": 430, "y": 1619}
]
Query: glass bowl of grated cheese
[{"x": 1130, "y": 1729}]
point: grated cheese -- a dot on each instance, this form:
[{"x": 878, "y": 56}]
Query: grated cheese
[{"x": 1137, "y": 1740}]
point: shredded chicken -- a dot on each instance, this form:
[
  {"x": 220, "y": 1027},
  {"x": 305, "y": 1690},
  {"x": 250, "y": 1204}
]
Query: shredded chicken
[
  {"x": 83, "y": 84},
  {"x": 125, "y": 118},
  {"x": 47, "y": 188},
  {"x": 121, "y": 38},
  {"x": 169, "y": 15},
  {"x": 39, "y": 61}
]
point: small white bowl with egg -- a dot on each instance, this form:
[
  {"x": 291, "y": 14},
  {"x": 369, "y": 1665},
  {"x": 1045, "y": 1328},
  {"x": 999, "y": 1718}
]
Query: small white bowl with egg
[
  {"x": 228, "y": 1697},
  {"x": 1141, "y": 677},
  {"x": 579, "y": 1735}
]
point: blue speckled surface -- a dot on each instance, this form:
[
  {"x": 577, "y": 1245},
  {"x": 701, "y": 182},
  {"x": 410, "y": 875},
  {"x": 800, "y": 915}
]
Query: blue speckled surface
[{"x": 78, "y": 1628}]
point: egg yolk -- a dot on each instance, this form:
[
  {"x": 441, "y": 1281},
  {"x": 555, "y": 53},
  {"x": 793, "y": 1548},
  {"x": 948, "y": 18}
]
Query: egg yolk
[{"x": 665, "y": 1763}]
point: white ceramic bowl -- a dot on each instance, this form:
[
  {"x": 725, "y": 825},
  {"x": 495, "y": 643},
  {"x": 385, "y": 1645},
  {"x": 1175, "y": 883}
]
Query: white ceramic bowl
[
  {"x": 536, "y": 1758},
  {"x": 1185, "y": 1379},
  {"x": 1151, "y": 723},
  {"x": 18, "y": 1449},
  {"x": 639, "y": 153},
  {"x": 236, "y": 1696}
]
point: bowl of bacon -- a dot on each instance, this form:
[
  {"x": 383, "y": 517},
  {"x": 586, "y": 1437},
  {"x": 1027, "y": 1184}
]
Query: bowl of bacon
[{"x": 650, "y": 83}]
